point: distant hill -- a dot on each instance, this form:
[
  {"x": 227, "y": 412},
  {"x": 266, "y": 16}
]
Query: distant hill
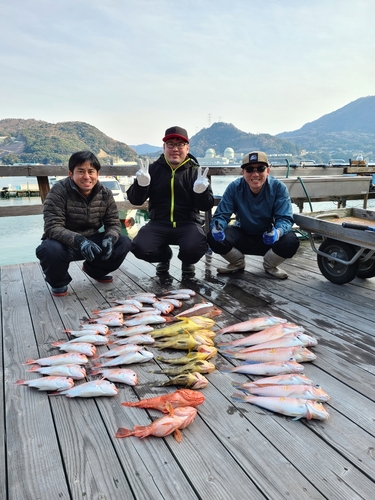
[
  {"x": 144, "y": 149},
  {"x": 35, "y": 141},
  {"x": 222, "y": 135},
  {"x": 346, "y": 131}
]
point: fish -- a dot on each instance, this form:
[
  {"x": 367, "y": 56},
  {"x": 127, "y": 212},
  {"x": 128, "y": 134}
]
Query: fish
[
  {"x": 179, "y": 398},
  {"x": 120, "y": 375},
  {"x": 81, "y": 333},
  {"x": 121, "y": 308},
  {"x": 136, "y": 339},
  {"x": 200, "y": 309},
  {"x": 60, "y": 359},
  {"x": 193, "y": 380},
  {"x": 270, "y": 333},
  {"x": 252, "y": 325},
  {"x": 312, "y": 392},
  {"x": 145, "y": 320},
  {"x": 184, "y": 325},
  {"x": 299, "y": 354},
  {"x": 292, "y": 407},
  {"x": 128, "y": 358},
  {"x": 145, "y": 298},
  {"x": 288, "y": 378},
  {"x": 100, "y": 328},
  {"x": 163, "y": 426},
  {"x": 182, "y": 360},
  {"x": 90, "y": 339},
  {"x": 186, "y": 291},
  {"x": 133, "y": 330},
  {"x": 269, "y": 368},
  {"x": 134, "y": 302},
  {"x": 200, "y": 366},
  {"x": 184, "y": 341},
  {"x": 178, "y": 296},
  {"x": 50, "y": 383},
  {"x": 211, "y": 351},
  {"x": 206, "y": 332},
  {"x": 151, "y": 311},
  {"x": 91, "y": 389},
  {"x": 163, "y": 307},
  {"x": 121, "y": 349},
  {"x": 176, "y": 303},
  {"x": 287, "y": 340},
  {"x": 108, "y": 320},
  {"x": 76, "y": 372},
  {"x": 82, "y": 347}
]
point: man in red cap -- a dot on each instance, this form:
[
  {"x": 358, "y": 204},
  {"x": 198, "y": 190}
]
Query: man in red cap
[{"x": 177, "y": 190}]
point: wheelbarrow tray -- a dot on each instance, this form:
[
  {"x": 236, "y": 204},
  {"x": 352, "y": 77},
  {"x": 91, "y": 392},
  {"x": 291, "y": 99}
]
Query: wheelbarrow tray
[{"x": 329, "y": 225}]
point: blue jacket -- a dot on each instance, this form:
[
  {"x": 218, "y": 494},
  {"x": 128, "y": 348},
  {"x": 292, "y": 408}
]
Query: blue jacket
[{"x": 255, "y": 214}]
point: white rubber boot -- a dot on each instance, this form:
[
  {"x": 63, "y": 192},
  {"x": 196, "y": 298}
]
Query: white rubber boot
[
  {"x": 270, "y": 263},
  {"x": 236, "y": 261}
]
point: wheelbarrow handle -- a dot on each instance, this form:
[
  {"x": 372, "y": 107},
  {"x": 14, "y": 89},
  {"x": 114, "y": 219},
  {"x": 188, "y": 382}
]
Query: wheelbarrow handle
[{"x": 349, "y": 225}]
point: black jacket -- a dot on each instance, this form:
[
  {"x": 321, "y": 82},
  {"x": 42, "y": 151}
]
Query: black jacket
[{"x": 170, "y": 193}]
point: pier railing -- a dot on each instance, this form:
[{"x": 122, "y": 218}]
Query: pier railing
[{"x": 314, "y": 179}]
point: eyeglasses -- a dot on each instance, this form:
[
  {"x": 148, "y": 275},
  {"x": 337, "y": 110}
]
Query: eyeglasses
[
  {"x": 178, "y": 145},
  {"x": 259, "y": 169}
]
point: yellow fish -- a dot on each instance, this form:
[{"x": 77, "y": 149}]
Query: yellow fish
[
  {"x": 199, "y": 366},
  {"x": 184, "y": 325},
  {"x": 182, "y": 360}
]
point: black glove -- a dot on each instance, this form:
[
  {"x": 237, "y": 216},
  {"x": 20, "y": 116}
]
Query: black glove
[
  {"x": 107, "y": 245},
  {"x": 89, "y": 249}
]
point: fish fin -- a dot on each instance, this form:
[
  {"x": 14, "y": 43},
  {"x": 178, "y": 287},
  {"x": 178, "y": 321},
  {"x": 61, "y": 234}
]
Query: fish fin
[
  {"x": 177, "y": 435},
  {"x": 122, "y": 432},
  {"x": 298, "y": 418},
  {"x": 56, "y": 393}
]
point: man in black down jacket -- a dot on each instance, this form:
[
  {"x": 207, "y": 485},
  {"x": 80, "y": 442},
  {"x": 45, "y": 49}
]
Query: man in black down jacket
[
  {"x": 74, "y": 211},
  {"x": 177, "y": 190}
]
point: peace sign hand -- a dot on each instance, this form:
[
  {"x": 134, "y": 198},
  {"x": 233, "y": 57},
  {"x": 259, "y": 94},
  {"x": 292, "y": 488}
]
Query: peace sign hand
[
  {"x": 142, "y": 175},
  {"x": 201, "y": 183}
]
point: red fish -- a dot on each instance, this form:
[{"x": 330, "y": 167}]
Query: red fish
[
  {"x": 181, "y": 397},
  {"x": 177, "y": 419}
]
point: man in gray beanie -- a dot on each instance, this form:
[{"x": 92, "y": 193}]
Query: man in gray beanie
[{"x": 264, "y": 219}]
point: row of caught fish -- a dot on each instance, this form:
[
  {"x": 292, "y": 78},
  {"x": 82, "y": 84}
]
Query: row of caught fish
[{"x": 275, "y": 349}]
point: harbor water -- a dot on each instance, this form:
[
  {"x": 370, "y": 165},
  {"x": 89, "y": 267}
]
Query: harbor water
[{"x": 21, "y": 235}]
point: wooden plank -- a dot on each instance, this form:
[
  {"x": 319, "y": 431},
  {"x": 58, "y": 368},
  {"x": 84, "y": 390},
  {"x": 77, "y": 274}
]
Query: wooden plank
[
  {"x": 34, "y": 465},
  {"x": 3, "y": 476}
]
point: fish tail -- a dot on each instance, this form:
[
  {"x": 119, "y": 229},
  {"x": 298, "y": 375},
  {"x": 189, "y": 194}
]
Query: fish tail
[
  {"x": 33, "y": 368},
  {"x": 238, "y": 397},
  {"x": 30, "y": 361},
  {"x": 20, "y": 382},
  {"x": 122, "y": 432}
]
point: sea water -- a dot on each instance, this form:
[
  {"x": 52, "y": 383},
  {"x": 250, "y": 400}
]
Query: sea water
[{"x": 21, "y": 235}]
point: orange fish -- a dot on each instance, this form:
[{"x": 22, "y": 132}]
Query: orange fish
[
  {"x": 181, "y": 397},
  {"x": 177, "y": 419}
]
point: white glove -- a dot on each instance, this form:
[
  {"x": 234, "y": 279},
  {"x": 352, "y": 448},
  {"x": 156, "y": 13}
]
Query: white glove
[
  {"x": 142, "y": 175},
  {"x": 201, "y": 183}
]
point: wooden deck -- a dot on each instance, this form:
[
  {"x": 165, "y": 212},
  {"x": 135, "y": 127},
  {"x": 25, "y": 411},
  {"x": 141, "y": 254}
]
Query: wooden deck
[{"x": 56, "y": 448}]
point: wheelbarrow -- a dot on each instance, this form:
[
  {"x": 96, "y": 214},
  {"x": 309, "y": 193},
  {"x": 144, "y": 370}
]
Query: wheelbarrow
[{"x": 348, "y": 245}]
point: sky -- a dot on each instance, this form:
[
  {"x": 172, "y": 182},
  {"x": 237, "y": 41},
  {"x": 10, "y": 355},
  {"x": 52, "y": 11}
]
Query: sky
[{"x": 133, "y": 68}]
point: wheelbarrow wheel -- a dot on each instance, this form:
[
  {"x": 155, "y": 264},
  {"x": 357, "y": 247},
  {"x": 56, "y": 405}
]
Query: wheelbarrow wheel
[
  {"x": 366, "y": 269},
  {"x": 335, "y": 271}
]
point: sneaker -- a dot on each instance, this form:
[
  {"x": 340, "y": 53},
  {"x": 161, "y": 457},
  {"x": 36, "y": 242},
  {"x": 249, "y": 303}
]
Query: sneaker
[
  {"x": 103, "y": 279},
  {"x": 163, "y": 267},
  {"x": 188, "y": 268},
  {"x": 60, "y": 291}
]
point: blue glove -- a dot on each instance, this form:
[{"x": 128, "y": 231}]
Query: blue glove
[
  {"x": 269, "y": 238},
  {"x": 218, "y": 232},
  {"x": 107, "y": 245},
  {"x": 89, "y": 249}
]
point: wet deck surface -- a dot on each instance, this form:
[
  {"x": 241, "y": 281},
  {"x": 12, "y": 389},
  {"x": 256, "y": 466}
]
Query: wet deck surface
[{"x": 62, "y": 448}]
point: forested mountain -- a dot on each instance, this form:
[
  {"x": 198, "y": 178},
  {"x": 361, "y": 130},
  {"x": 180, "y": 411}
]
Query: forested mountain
[
  {"x": 35, "y": 141},
  {"x": 222, "y": 135},
  {"x": 345, "y": 131}
]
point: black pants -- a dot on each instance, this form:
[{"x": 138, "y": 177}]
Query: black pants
[
  {"x": 249, "y": 244},
  {"x": 152, "y": 242},
  {"x": 55, "y": 259}
]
